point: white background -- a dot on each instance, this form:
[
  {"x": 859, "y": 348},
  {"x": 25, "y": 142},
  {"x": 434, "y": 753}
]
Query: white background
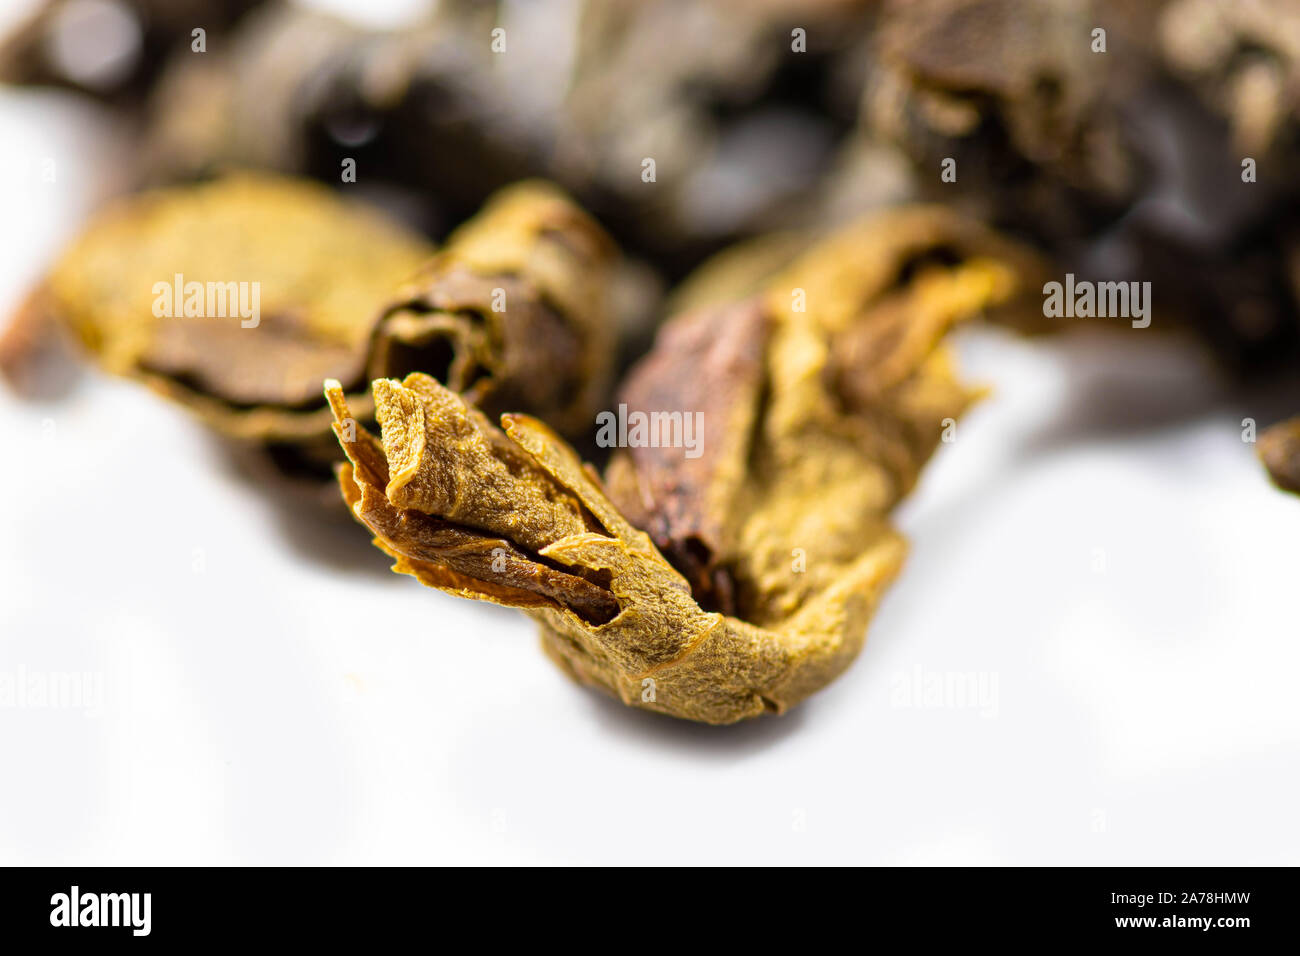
[{"x": 1098, "y": 550}]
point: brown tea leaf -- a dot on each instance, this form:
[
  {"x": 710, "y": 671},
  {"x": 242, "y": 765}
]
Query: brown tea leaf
[
  {"x": 515, "y": 312},
  {"x": 460, "y": 506},
  {"x": 710, "y": 362},
  {"x": 767, "y": 550},
  {"x": 470, "y": 560},
  {"x": 235, "y": 297},
  {"x": 1011, "y": 91},
  {"x": 613, "y": 611}
]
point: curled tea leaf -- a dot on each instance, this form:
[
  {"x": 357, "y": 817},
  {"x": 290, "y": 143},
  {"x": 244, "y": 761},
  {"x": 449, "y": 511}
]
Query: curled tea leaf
[
  {"x": 515, "y": 313},
  {"x": 614, "y": 613},
  {"x": 460, "y": 506},
  {"x": 798, "y": 452}
]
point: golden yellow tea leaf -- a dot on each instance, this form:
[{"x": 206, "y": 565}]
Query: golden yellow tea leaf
[
  {"x": 733, "y": 559},
  {"x": 235, "y": 297}
]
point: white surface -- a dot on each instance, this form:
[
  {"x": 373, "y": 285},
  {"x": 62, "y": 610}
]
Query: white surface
[{"x": 1125, "y": 592}]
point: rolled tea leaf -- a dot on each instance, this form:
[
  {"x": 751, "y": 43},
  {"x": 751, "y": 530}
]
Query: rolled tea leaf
[
  {"x": 515, "y": 312},
  {"x": 613, "y": 612},
  {"x": 1279, "y": 448},
  {"x": 768, "y": 539}
]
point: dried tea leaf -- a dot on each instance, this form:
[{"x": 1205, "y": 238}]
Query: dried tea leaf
[
  {"x": 235, "y": 297},
  {"x": 1012, "y": 92},
  {"x": 765, "y": 554},
  {"x": 614, "y": 613},
  {"x": 515, "y": 313},
  {"x": 466, "y": 518},
  {"x": 1136, "y": 164},
  {"x": 844, "y": 273},
  {"x": 1279, "y": 449}
]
